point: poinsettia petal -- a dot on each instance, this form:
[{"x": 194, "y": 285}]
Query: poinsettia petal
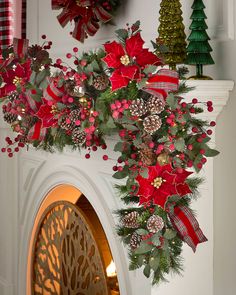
[
  {"x": 148, "y": 58},
  {"x": 134, "y": 45},
  {"x": 183, "y": 189},
  {"x": 181, "y": 177},
  {"x": 44, "y": 113},
  {"x": 114, "y": 52},
  {"x": 129, "y": 72},
  {"x": 162, "y": 194},
  {"x": 118, "y": 81},
  {"x": 169, "y": 177},
  {"x": 112, "y": 60}
]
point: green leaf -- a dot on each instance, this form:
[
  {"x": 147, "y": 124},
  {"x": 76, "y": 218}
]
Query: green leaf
[
  {"x": 121, "y": 174},
  {"x": 110, "y": 123},
  {"x": 142, "y": 84},
  {"x": 154, "y": 262},
  {"x": 41, "y": 76},
  {"x": 172, "y": 101},
  {"x": 170, "y": 234},
  {"x": 143, "y": 248},
  {"x": 211, "y": 152},
  {"x": 180, "y": 144},
  {"x": 144, "y": 172},
  {"x": 156, "y": 239},
  {"x": 122, "y": 34},
  {"x": 36, "y": 97},
  {"x": 141, "y": 231},
  {"x": 118, "y": 147},
  {"x": 151, "y": 69},
  {"x": 147, "y": 271}
]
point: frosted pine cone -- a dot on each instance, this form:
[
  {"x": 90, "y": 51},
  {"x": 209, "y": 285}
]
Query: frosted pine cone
[
  {"x": 155, "y": 223},
  {"x": 130, "y": 220},
  {"x": 135, "y": 241},
  {"x": 155, "y": 105},
  {"x": 74, "y": 115},
  {"x": 100, "y": 82},
  {"x": 9, "y": 117},
  {"x": 78, "y": 137},
  {"x": 138, "y": 107},
  {"x": 152, "y": 123},
  {"x": 147, "y": 156},
  {"x": 63, "y": 123}
]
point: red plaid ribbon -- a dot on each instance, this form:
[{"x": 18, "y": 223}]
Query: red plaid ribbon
[
  {"x": 85, "y": 16},
  {"x": 52, "y": 92},
  {"x": 23, "y": 21},
  {"x": 6, "y": 23},
  {"x": 162, "y": 82},
  {"x": 20, "y": 47},
  {"x": 187, "y": 225},
  {"x": 37, "y": 132}
]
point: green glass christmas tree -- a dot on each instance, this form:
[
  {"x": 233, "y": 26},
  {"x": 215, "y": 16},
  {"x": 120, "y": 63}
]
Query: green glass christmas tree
[
  {"x": 198, "y": 50},
  {"x": 171, "y": 32}
]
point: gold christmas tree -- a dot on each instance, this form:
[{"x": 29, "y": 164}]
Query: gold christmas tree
[{"x": 171, "y": 33}]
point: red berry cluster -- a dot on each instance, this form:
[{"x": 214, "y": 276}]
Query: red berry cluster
[{"x": 13, "y": 146}]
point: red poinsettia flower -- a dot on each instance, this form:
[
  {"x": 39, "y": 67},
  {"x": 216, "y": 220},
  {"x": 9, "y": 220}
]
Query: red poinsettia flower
[
  {"x": 128, "y": 61},
  {"x": 14, "y": 77},
  {"x": 162, "y": 182}
]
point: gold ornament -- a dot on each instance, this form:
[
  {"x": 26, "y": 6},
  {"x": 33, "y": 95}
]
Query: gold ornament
[
  {"x": 125, "y": 60},
  {"x": 163, "y": 159}
]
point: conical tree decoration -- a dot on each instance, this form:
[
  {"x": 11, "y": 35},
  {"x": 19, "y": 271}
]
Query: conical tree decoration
[
  {"x": 198, "y": 50},
  {"x": 171, "y": 32}
]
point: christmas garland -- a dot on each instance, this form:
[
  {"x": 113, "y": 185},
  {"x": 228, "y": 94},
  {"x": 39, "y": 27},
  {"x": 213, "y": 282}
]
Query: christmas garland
[
  {"x": 86, "y": 14},
  {"x": 121, "y": 89}
]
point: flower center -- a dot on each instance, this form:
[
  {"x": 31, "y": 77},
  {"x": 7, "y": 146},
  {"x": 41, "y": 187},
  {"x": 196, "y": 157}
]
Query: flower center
[
  {"x": 125, "y": 60},
  {"x": 17, "y": 81},
  {"x": 157, "y": 182}
]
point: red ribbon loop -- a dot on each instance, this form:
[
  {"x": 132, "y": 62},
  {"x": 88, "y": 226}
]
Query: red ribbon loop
[
  {"x": 20, "y": 47},
  {"x": 187, "y": 226}
]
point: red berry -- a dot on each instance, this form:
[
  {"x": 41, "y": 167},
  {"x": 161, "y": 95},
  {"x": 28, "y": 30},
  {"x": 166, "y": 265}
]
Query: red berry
[
  {"x": 104, "y": 146},
  {"x": 194, "y": 101},
  {"x": 94, "y": 148},
  {"x": 114, "y": 168},
  {"x": 199, "y": 165},
  {"x": 203, "y": 160},
  {"x": 213, "y": 123},
  {"x": 105, "y": 157},
  {"x": 44, "y": 36},
  {"x": 9, "y": 150},
  {"x": 17, "y": 149},
  {"x": 199, "y": 139},
  {"x": 3, "y": 150},
  {"x": 120, "y": 168},
  {"x": 75, "y": 49},
  {"x": 183, "y": 104},
  {"x": 68, "y": 55},
  {"x": 209, "y": 103},
  {"x": 209, "y": 132},
  {"x": 195, "y": 129},
  {"x": 190, "y": 164},
  {"x": 21, "y": 144},
  {"x": 203, "y": 135},
  {"x": 7, "y": 139},
  {"x": 192, "y": 110},
  {"x": 10, "y": 155},
  {"x": 210, "y": 109},
  {"x": 202, "y": 151},
  {"x": 87, "y": 156},
  {"x": 190, "y": 147}
]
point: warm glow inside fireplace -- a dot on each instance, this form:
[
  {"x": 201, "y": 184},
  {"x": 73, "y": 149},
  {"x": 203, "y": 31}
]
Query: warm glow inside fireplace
[{"x": 69, "y": 252}]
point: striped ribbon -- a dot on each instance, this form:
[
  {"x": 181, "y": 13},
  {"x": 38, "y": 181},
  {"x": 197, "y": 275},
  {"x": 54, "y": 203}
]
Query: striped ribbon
[
  {"x": 20, "y": 47},
  {"x": 164, "y": 81},
  {"x": 52, "y": 92},
  {"x": 37, "y": 132},
  {"x": 187, "y": 226}
]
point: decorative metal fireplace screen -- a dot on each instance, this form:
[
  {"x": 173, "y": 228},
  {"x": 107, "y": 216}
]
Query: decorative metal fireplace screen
[{"x": 66, "y": 258}]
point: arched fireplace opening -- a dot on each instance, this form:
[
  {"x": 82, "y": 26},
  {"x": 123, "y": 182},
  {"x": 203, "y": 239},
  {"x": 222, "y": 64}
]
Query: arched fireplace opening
[{"x": 69, "y": 252}]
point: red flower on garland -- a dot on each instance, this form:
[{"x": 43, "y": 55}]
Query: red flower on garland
[
  {"x": 128, "y": 61},
  {"x": 47, "y": 116},
  {"x": 17, "y": 77},
  {"x": 162, "y": 182}
]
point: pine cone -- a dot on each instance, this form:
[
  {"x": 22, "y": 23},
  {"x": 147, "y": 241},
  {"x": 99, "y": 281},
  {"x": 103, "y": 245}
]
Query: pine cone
[
  {"x": 9, "y": 117},
  {"x": 13, "y": 96},
  {"x": 138, "y": 107},
  {"x": 100, "y": 82},
  {"x": 64, "y": 125},
  {"x": 155, "y": 223},
  {"x": 78, "y": 137},
  {"x": 130, "y": 220},
  {"x": 69, "y": 86},
  {"x": 155, "y": 105},
  {"x": 74, "y": 115},
  {"x": 147, "y": 156},
  {"x": 135, "y": 241},
  {"x": 152, "y": 123}
]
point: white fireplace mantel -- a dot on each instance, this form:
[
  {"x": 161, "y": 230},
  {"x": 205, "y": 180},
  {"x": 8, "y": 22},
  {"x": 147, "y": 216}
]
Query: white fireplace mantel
[{"x": 27, "y": 179}]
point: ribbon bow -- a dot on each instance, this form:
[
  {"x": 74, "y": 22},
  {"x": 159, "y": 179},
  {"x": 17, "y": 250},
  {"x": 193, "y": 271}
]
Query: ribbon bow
[
  {"x": 187, "y": 226},
  {"x": 85, "y": 14},
  {"x": 161, "y": 83}
]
